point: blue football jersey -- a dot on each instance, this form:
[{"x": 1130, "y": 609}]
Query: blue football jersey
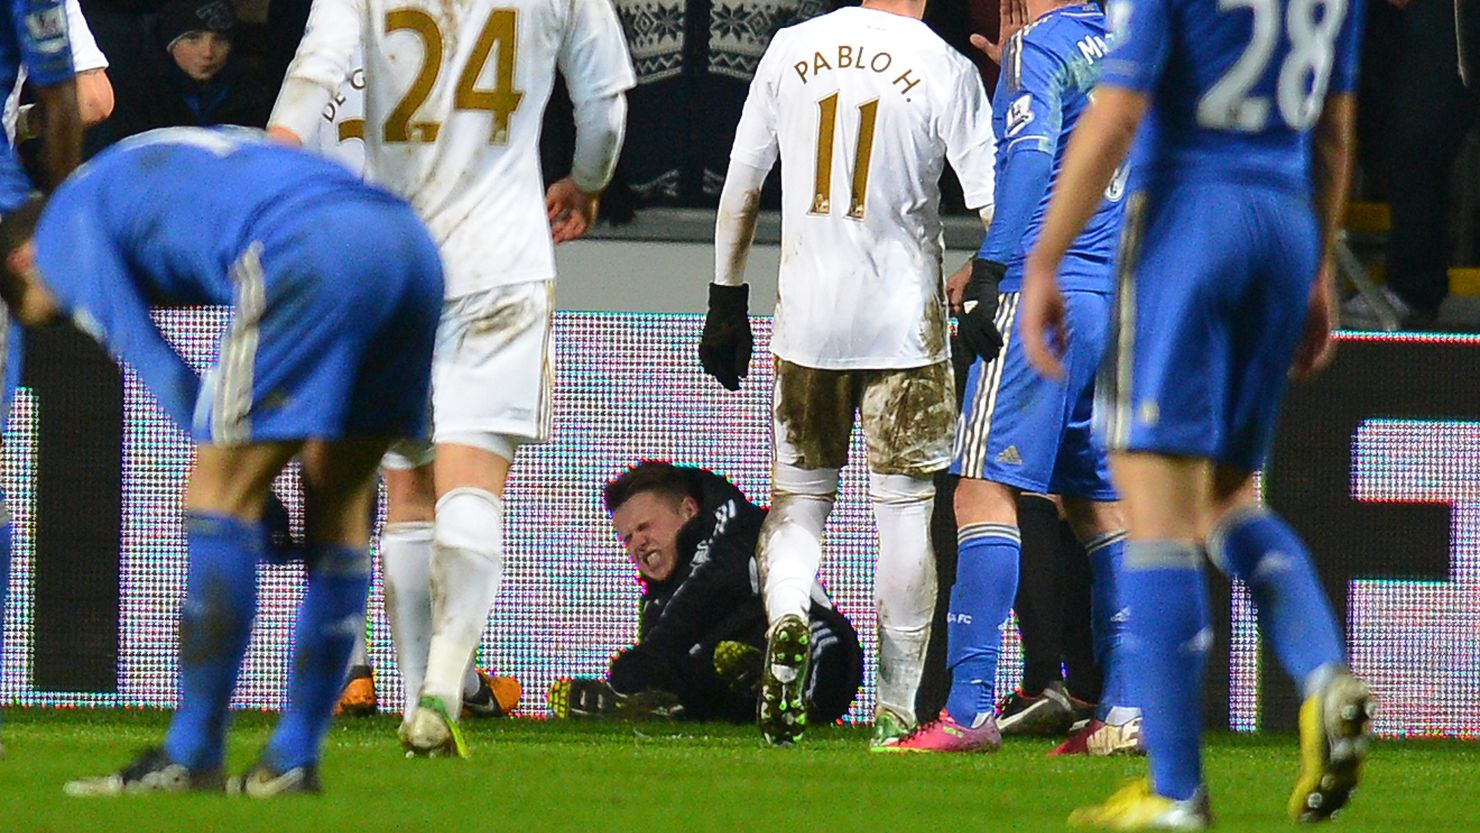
[
  {"x": 1048, "y": 71},
  {"x": 1235, "y": 85},
  {"x": 161, "y": 219},
  {"x": 34, "y": 36}
]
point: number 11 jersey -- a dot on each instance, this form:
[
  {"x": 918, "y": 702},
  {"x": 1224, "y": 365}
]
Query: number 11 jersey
[
  {"x": 455, "y": 94},
  {"x": 863, "y": 108}
]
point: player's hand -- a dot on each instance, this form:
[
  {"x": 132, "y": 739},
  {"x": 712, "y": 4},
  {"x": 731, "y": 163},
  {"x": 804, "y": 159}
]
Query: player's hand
[
  {"x": 571, "y": 210},
  {"x": 977, "y": 323},
  {"x": 1012, "y": 16},
  {"x": 726, "y": 345},
  {"x": 1042, "y": 321},
  {"x": 1317, "y": 344},
  {"x": 956, "y": 287},
  {"x": 284, "y": 136}
]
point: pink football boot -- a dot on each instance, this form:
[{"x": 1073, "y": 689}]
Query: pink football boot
[{"x": 944, "y": 734}]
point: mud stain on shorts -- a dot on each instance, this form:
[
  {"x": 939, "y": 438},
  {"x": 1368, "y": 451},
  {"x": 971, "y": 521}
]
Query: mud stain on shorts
[
  {"x": 814, "y": 414},
  {"x": 909, "y": 419}
]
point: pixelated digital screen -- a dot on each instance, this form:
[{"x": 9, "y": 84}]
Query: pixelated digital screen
[{"x": 629, "y": 387}]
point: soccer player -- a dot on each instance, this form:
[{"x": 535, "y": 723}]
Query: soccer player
[
  {"x": 863, "y": 106},
  {"x": 37, "y": 43},
  {"x": 1019, "y": 431},
  {"x": 335, "y": 288},
  {"x": 454, "y": 96},
  {"x": 341, "y": 136},
  {"x": 1225, "y": 288}
]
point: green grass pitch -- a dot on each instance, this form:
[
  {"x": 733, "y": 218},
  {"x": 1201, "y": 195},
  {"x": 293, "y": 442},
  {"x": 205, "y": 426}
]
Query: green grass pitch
[{"x": 530, "y": 776}]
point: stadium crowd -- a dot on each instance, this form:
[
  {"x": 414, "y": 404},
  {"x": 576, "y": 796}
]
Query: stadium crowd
[{"x": 1106, "y": 577}]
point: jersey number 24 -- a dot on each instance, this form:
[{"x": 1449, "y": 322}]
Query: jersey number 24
[
  {"x": 1304, "y": 74},
  {"x": 497, "y": 36}
]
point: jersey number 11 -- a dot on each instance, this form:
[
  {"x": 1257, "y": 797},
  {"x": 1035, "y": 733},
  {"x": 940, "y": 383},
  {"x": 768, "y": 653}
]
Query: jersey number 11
[{"x": 827, "y": 126}]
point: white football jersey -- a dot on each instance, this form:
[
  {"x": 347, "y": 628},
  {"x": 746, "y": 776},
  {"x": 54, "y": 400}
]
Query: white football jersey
[
  {"x": 864, "y": 108},
  {"x": 341, "y": 134},
  {"x": 455, "y": 93}
]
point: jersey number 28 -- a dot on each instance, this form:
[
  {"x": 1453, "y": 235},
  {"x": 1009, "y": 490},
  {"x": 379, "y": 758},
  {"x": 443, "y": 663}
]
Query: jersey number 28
[
  {"x": 1301, "y": 87},
  {"x": 498, "y": 35}
]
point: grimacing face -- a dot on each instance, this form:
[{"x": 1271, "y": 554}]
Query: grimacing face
[{"x": 647, "y": 524}]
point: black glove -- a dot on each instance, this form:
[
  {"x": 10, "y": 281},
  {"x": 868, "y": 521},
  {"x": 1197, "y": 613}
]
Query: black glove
[
  {"x": 977, "y": 326},
  {"x": 725, "y": 347}
]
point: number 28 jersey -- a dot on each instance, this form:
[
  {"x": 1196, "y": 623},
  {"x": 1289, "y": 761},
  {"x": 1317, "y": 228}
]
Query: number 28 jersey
[
  {"x": 1235, "y": 85},
  {"x": 864, "y": 107},
  {"x": 455, "y": 94}
]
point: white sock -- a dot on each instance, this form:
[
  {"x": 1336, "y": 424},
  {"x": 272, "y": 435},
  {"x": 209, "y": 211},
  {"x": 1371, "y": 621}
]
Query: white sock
[
  {"x": 790, "y": 549},
  {"x": 467, "y": 566},
  {"x": 904, "y": 586},
  {"x": 406, "y": 564}
]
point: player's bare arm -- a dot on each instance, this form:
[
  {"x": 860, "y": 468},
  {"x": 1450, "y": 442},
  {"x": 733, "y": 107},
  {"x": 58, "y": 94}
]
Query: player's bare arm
[
  {"x": 1099, "y": 145},
  {"x": 1331, "y": 164},
  {"x": 572, "y": 202},
  {"x": 62, "y": 131}
]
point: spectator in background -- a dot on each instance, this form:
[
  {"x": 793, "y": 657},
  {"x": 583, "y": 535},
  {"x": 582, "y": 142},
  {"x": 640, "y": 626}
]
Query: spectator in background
[
  {"x": 192, "y": 78},
  {"x": 1420, "y": 93}
]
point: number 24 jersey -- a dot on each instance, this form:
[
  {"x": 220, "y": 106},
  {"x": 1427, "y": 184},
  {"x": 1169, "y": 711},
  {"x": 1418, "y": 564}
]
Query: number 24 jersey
[{"x": 455, "y": 94}]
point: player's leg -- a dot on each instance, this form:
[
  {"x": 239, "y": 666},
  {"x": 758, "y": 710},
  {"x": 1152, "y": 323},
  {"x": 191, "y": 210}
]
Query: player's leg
[
  {"x": 1253, "y": 543},
  {"x": 223, "y": 531},
  {"x": 1168, "y": 636},
  {"x": 492, "y": 392},
  {"x": 812, "y": 416},
  {"x": 1115, "y": 727},
  {"x": 1040, "y": 704},
  {"x": 406, "y": 561},
  {"x": 339, "y": 480},
  {"x": 1256, "y": 545},
  {"x": 1165, "y": 386},
  {"x": 908, "y": 421}
]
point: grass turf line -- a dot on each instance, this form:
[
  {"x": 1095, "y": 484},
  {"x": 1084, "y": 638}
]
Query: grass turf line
[{"x": 532, "y": 776}]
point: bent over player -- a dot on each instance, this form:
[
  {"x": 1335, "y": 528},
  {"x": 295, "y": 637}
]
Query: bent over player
[
  {"x": 1239, "y": 177},
  {"x": 334, "y": 287},
  {"x": 454, "y": 98},
  {"x": 1019, "y": 431},
  {"x": 863, "y": 106}
]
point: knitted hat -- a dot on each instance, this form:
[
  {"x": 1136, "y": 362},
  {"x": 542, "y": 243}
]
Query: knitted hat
[{"x": 178, "y": 18}]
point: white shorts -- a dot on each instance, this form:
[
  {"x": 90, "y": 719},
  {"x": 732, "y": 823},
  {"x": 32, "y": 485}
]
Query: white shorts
[{"x": 493, "y": 372}]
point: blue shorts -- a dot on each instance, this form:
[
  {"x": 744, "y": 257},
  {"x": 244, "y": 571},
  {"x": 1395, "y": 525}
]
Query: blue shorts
[
  {"x": 1214, "y": 283},
  {"x": 1023, "y": 430},
  {"x": 333, "y": 325}
]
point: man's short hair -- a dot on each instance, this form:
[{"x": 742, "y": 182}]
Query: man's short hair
[
  {"x": 16, "y": 228},
  {"x": 653, "y": 476}
]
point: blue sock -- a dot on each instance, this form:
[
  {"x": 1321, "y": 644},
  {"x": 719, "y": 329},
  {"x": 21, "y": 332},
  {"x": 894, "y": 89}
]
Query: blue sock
[
  {"x": 986, "y": 582},
  {"x": 1257, "y": 546},
  {"x": 333, "y": 607},
  {"x": 1166, "y": 645},
  {"x": 1108, "y": 614},
  {"x": 215, "y": 624}
]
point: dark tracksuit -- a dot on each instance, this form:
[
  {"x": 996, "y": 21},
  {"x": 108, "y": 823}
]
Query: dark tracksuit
[{"x": 714, "y": 596}]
